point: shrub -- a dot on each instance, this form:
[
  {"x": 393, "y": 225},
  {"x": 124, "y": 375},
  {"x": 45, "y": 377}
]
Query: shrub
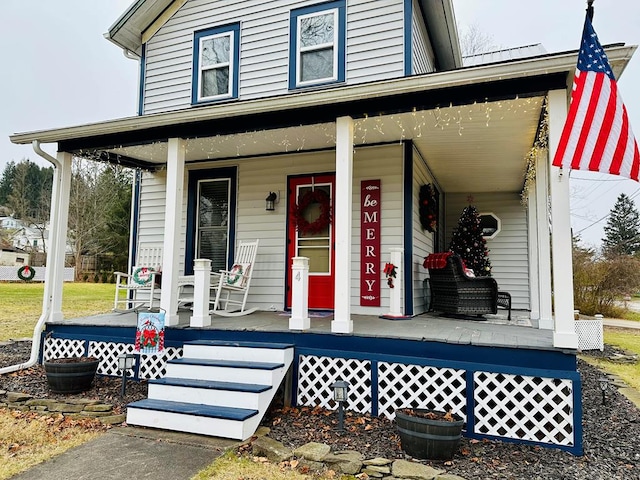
[{"x": 598, "y": 283}]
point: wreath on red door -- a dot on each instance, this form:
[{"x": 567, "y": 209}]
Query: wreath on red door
[{"x": 323, "y": 220}]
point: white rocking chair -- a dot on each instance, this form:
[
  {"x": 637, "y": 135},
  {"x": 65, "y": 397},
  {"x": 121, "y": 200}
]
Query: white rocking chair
[
  {"x": 233, "y": 284},
  {"x": 139, "y": 283}
]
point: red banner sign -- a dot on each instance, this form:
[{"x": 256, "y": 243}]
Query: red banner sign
[{"x": 370, "y": 243}]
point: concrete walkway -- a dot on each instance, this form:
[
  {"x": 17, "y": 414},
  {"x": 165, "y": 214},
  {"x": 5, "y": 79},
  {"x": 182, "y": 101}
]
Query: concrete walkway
[{"x": 133, "y": 453}]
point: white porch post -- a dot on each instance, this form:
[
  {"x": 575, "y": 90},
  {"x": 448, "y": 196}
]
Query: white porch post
[
  {"x": 173, "y": 214},
  {"x": 201, "y": 292},
  {"x": 543, "y": 243},
  {"x": 395, "y": 298},
  {"x": 534, "y": 259},
  {"x": 59, "y": 232},
  {"x": 564, "y": 335},
  {"x": 342, "y": 322},
  {"x": 300, "y": 294}
]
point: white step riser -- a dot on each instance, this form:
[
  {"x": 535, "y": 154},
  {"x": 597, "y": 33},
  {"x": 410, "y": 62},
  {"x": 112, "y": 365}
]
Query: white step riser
[
  {"x": 244, "y": 354},
  {"x": 192, "y": 424},
  {"x": 220, "y": 398},
  {"x": 224, "y": 374}
]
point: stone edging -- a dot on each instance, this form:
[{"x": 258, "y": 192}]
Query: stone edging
[
  {"x": 71, "y": 408},
  {"x": 317, "y": 457}
]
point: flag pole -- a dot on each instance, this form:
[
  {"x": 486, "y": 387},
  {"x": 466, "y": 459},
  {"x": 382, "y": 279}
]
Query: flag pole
[{"x": 590, "y": 10}]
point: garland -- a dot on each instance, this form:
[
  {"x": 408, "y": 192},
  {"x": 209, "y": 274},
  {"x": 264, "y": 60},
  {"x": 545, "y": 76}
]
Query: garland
[
  {"x": 390, "y": 272},
  {"x": 142, "y": 275},
  {"x": 428, "y": 208},
  {"x": 323, "y": 220},
  {"x": 26, "y": 273}
]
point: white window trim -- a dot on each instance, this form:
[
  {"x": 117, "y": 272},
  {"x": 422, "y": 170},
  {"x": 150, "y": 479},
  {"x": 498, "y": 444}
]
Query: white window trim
[
  {"x": 498, "y": 221},
  {"x": 301, "y": 50},
  {"x": 229, "y": 64}
]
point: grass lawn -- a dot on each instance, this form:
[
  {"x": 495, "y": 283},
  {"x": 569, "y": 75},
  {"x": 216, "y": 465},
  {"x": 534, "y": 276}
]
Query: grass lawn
[
  {"x": 628, "y": 340},
  {"x": 21, "y": 304},
  {"x": 28, "y": 438}
]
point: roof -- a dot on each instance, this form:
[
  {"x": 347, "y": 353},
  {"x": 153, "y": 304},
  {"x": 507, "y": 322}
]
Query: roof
[
  {"x": 144, "y": 17},
  {"x": 504, "y": 55}
]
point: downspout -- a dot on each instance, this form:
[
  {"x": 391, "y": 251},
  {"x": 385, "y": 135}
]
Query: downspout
[{"x": 46, "y": 300}]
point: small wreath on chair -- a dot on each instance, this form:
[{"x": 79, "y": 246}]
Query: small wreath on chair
[
  {"x": 323, "y": 220},
  {"x": 428, "y": 208},
  {"x": 235, "y": 274},
  {"x": 26, "y": 273},
  {"x": 142, "y": 275}
]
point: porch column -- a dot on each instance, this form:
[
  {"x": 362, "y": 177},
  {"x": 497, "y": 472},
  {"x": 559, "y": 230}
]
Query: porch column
[
  {"x": 543, "y": 240},
  {"x": 564, "y": 335},
  {"x": 342, "y": 322},
  {"x": 173, "y": 214},
  {"x": 58, "y": 231},
  {"x": 534, "y": 259}
]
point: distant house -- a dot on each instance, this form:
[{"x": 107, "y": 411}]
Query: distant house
[
  {"x": 27, "y": 237},
  {"x": 321, "y": 103}
]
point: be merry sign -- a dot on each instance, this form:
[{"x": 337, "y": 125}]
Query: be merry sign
[{"x": 370, "y": 243}]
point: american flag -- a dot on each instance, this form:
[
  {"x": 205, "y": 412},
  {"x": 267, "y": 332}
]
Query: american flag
[{"x": 597, "y": 135}]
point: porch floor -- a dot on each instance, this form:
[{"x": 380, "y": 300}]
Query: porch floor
[{"x": 495, "y": 331}]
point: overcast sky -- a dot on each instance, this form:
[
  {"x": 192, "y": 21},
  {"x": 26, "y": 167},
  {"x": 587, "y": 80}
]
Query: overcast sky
[{"x": 60, "y": 71}]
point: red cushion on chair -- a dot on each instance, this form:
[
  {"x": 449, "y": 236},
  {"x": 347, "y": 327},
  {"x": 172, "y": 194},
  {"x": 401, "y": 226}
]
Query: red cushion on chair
[{"x": 436, "y": 260}]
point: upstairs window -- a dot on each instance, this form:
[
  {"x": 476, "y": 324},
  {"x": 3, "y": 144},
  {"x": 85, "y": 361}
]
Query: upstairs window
[
  {"x": 317, "y": 44},
  {"x": 215, "y": 64}
]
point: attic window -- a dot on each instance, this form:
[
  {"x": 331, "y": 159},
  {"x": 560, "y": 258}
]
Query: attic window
[
  {"x": 215, "y": 64},
  {"x": 318, "y": 39}
]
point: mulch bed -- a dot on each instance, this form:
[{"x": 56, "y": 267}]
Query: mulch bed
[{"x": 610, "y": 431}]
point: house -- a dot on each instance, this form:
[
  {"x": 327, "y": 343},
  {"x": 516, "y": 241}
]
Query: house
[
  {"x": 30, "y": 237},
  {"x": 321, "y": 104}
]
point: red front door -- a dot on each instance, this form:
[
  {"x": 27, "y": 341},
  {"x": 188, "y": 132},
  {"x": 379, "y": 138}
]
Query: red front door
[{"x": 313, "y": 239}]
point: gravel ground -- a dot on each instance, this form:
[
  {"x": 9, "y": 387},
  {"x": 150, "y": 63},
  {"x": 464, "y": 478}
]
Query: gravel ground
[{"x": 610, "y": 431}]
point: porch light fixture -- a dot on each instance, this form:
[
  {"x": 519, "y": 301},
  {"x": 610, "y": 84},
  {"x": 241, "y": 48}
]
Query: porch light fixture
[
  {"x": 271, "y": 201},
  {"x": 125, "y": 363},
  {"x": 604, "y": 385},
  {"x": 340, "y": 392}
]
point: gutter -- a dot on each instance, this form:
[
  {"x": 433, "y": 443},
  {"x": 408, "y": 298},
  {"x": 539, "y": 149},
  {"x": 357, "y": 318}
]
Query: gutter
[{"x": 48, "y": 284}]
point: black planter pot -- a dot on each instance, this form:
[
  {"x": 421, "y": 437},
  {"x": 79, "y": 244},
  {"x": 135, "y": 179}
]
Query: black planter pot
[
  {"x": 428, "y": 439},
  {"x": 69, "y": 376}
]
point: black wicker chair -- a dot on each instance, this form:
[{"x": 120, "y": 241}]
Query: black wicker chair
[{"x": 453, "y": 292}]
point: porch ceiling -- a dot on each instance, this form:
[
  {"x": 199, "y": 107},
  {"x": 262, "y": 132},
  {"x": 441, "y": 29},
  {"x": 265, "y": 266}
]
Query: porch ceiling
[{"x": 469, "y": 148}]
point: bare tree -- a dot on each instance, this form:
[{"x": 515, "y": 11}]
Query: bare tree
[{"x": 474, "y": 41}]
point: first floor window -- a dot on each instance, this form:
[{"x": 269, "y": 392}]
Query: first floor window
[
  {"x": 211, "y": 217},
  {"x": 215, "y": 69}
]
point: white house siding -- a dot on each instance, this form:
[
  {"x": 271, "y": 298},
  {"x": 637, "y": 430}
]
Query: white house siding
[
  {"x": 423, "y": 241},
  {"x": 374, "y": 47},
  {"x": 384, "y": 163},
  {"x": 151, "y": 210},
  {"x": 508, "y": 251},
  {"x": 421, "y": 51}
]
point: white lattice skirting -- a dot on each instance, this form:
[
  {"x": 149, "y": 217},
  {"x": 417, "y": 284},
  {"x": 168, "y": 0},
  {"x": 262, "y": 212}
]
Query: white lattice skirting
[
  {"x": 590, "y": 335},
  {"x": 519, "y": 407},
  {"x": 151, "y": 366}
]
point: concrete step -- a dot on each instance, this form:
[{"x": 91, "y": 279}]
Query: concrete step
[
  {"x": 208, "y": 392},
  {"x": 209, "y": 420},
  {"x": 239, "y": 351},
  {"x": 262, "y": 373}
]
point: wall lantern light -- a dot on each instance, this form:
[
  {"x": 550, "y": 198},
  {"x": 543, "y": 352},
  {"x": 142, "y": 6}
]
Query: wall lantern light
[
  {"x": 340, "y": 393},
  {"x": 125, "y": 363},
  {"x": 271, "y": 200}
]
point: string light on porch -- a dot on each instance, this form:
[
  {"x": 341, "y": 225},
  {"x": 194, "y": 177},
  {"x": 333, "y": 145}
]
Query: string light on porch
[{"x": 539, "y": 147}]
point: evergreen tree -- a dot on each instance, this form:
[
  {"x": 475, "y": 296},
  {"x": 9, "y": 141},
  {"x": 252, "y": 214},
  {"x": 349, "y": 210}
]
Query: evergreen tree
[
  {"x": 622, "y": 232},
  {"x": 467, "y": 242}
]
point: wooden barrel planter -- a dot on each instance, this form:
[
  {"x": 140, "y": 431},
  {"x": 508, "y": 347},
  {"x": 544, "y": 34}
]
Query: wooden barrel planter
[
  {"x": 71, "y": 374},
  {"x": 429, "y": 434}
]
